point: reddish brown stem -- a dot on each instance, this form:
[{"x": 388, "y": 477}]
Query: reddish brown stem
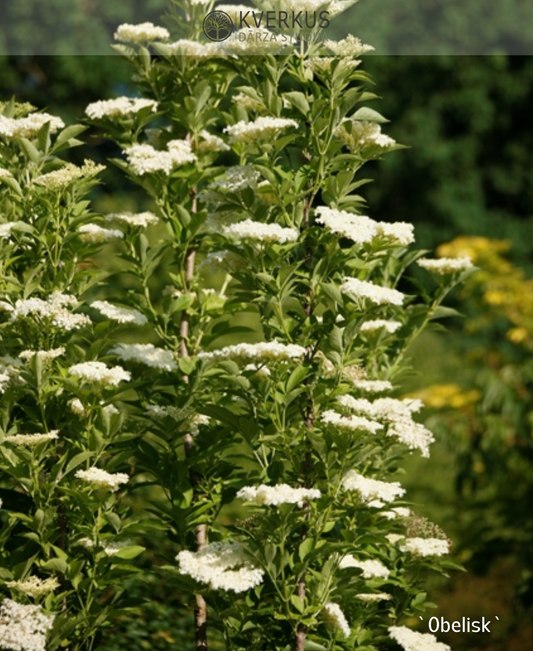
[{"x": 200, "y": 610}]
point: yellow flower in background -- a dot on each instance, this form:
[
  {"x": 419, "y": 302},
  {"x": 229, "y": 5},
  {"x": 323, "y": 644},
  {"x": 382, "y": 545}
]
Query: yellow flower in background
[{"x": 439, "y": 396}]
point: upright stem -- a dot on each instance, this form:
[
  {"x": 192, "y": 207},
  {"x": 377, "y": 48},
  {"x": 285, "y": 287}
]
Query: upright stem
[
  {"x": 301, "y": 633},
  {"x": 200, "y": 610}
]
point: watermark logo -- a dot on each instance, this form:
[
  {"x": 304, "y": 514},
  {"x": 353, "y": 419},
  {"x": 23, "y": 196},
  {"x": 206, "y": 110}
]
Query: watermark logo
[{"x": 217, "y": 26}]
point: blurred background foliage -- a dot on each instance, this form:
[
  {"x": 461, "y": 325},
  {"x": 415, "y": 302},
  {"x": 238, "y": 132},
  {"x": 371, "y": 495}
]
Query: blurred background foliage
[{"x": 467, "y": 180}]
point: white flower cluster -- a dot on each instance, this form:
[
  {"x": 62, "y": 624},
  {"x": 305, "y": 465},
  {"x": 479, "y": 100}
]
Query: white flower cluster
[
  {"x": 110, "y": 550},
  {"x": 322, "y": 65},
  {"x": 138, "y": 220},
  {"x": 372, "y": 489},
  {"x": 119, "y": 314},
  {"x": 373, "y": 386},
  {"x": 222, "y": 565},
  {"x": 362, "y": 289},
  {"x": 147, "y": 354},
  {"x": 260, "y": 232},
  {"x": 94, "y": 234},
  {"x": 210, "y": 143},
  {"x": 398, "y": 415},
  {"x": 378, "y": 324},
  {"x": 248, "y": 103},
  {"x": 235, "y": 179},
  {"x": 361, "y": 135},
  {"x": 400, "y": 233},
  {"x": 396, "y": 512},
  {"x": 353, "y": 423},
  {"x": 200, "y": 420},
  {"x": 333, "y": 615},
  {"x": 260, "y": 370},
  {"x": 59, "y": 179},
  {"x": 358, "y": 228},
  {"x": 444, "y": 266},
  {"x": 276, "y": 495},
  {"x": 158, "y": 411},
  {"x": 362, "y": 230},
  {"x": 34, "y": 586},
  {"x": 413, "y": 641},
  {"x": 9, "y": 372},
  {"x": 5, "y": 174},
  {"x": 371, "y": 569},
  {"x": 23, "y": 627},
  {"x": 54, "y": 309},
  {"x": 29, "y": 126},
  {"x": 99, "y": 373},
  {"x": 144, "y": 159},
  {"x": 119, "y": 107},
  {"x": 44, "y": 356},
  {"x": 31, "y": 440},
  {"x": 350, "y": 46},
  {"x": 5, "y": 230},
  {"x": 194, "y": 50},
  {"x": 264, "y": 128},
  {"x": 426, "y": 546},
  {"x": 142, "y": 33},
  {"x": 371, "y": 597},
  {"x": 272, "y": 350},
  {"x": 103, "y": 479}
]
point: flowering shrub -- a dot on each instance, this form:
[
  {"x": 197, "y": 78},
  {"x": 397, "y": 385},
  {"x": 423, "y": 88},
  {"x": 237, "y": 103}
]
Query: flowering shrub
[{"x": 248, "y": 385}]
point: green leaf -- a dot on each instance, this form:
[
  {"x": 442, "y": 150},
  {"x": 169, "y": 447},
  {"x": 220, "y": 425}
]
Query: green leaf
[
  {"x": 369, "y": 115},
  {"x": 56, "y": 565},
  {"x": 306, "y": 547},
  {"x": 77, "y": 460},
  {"x": 30, "y": 150},
  {"x": 298, "y": 101},
  {"x": 70, "y": 132},
  {"x": 130, "y": 552},
  {"x": 298, "y": 603},
  {"x": 296, "y": 378},
  {"x": 314, "y": 646}
]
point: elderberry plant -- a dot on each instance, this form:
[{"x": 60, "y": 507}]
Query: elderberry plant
[
  {"x": 246, "y": 373},
  {"x": 281, "y": 317},
  {"x": 64, "y": 550}
]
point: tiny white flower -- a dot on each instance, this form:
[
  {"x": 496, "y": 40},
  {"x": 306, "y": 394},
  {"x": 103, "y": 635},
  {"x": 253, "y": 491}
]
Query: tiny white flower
[
  {"x": 264, "y": 128},
  {"x": 221, "y": 565},
  {"x": 426, "y": 546},
  {"x": 95, "y": 234},
  {"x": 142, "y": 33},
  {"x": 23, "y": 627},
  {"x": 119, "y": 107},
  {"x": 414, "y": 641},
  {"x": 103, "y": 479},
  {"x": 362, "y": 289},
  {"x": 371, "y": 569},
  {"x": 146, "y": 354},
  {"x": 34, "y": 586},
  {"x": 251, "y": 230},
  {"x": 333, "y": 615},
  {"x": 119, "y": 314},
  {"x": 31, "y": 440},
  {"x": 443, "y": 266},
  {"x": 99, "y": 373},
  {"x": 371, "y": 489},
  {"x": 279, "y": 494}
]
